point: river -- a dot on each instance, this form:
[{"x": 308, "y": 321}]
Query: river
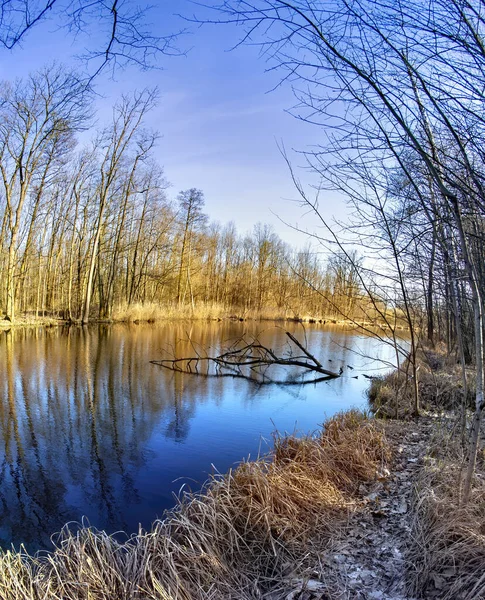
[{"x": 90, "y": 429}]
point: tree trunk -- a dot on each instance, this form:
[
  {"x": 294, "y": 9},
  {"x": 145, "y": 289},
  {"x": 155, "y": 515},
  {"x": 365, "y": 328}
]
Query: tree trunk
[
  {"x": 479, "y": 402},
  {"x": 10, "y": 280}
]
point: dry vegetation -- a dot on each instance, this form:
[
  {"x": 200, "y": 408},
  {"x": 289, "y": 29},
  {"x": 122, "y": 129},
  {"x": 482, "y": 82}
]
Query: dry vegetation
[
  {"x": 251, "y": 533},
  {"x": 30, "y": 321},
  {"x": 440, "y": 387},
  {"x": 157, "y": 312},
  {"x": 153, "y": 311},
  {"x": 447, "y": 556}
]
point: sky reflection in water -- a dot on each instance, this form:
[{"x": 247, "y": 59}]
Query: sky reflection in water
[{"x": 88, "y": 427}]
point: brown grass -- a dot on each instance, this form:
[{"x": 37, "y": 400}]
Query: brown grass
[
  {"x": 440, "y": 387},
  {"x": 252, "y": 531},
  {"x": 159, "y": 312},
  {"x": 447, "y": 557},
  {"x": 200, "y": 311},
  {"x": 30, "y": 321},
  {"x": 214, "y": 311}
]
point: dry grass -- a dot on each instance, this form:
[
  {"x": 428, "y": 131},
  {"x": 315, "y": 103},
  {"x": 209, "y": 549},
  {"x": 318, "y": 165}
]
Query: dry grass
[
  {"x": 350, "y": 448},
  {"x": 383, "y": 393},
  {"x": 447, "y": 556},
  {"x": 440, "y": 387},
  {"x": 266, "y": 313},
  {"x": 249, "y": 534},
  {"x": 200, "y": 311},
  {"x": 30, "y": 321},
  {"x": 213, "y": 310},
  {"x": 158, "y": 312}
]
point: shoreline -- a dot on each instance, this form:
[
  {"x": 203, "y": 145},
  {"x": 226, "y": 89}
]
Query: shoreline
[
  {"x": 364, "y": 508},
  {"x": 23, "y": 322}
]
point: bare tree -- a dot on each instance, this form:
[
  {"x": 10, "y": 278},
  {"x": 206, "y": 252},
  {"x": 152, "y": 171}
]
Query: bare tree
[
  {"x": 116, "y": 142},
  {"x": 38, "y": 120},
  {"x": 191, "y": 203},
  {"x": 391, "y": 85},
  {"x": 127, "y": 34}
]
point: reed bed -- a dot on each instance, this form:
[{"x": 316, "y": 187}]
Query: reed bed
[
  {"x": 198, "y": 311},
  {"x": 152, "y": 311},
  {"x": 160, "y": 312},
  {"x": 248, "y": 535},
  {"x": 447, "y": 555}
]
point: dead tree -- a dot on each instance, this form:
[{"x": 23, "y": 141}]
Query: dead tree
[{"x": 254, "y": 362}]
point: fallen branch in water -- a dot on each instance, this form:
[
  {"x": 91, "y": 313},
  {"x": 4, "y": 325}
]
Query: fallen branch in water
[{"x": 252, "y": 361}]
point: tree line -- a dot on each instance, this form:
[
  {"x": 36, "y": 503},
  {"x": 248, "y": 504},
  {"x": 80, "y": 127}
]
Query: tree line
[{"x": 86, "y": 230}]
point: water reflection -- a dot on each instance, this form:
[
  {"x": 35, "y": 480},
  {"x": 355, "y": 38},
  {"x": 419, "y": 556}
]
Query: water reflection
[{"x": 89, "y": 427}]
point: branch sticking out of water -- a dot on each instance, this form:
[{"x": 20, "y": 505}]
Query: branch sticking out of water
[{"x": 253, "y": 361}]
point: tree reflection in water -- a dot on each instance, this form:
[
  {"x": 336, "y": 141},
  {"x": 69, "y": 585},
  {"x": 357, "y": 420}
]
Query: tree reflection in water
[{"x": 88, "y": 427}]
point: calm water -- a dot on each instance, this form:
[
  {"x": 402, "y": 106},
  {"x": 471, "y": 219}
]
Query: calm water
[{"x": 89, "y": 428}]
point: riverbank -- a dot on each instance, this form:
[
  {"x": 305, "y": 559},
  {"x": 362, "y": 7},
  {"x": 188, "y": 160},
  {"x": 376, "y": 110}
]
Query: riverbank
[
  {"x": 441, "y": 387},
  {"x": 361, "y": 509},
  {"x": 408, "y": 538},
  {"x": 204, "y": 311},
  {"x": 154, "y": 313},
  {"x": 30, "y": 321}
]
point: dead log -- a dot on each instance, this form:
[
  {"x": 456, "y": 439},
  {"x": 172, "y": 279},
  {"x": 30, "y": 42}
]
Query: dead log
[{"x": 252, "y": 361}]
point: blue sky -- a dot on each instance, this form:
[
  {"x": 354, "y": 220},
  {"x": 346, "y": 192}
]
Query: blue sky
[{"x": 219, "y": 120}]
